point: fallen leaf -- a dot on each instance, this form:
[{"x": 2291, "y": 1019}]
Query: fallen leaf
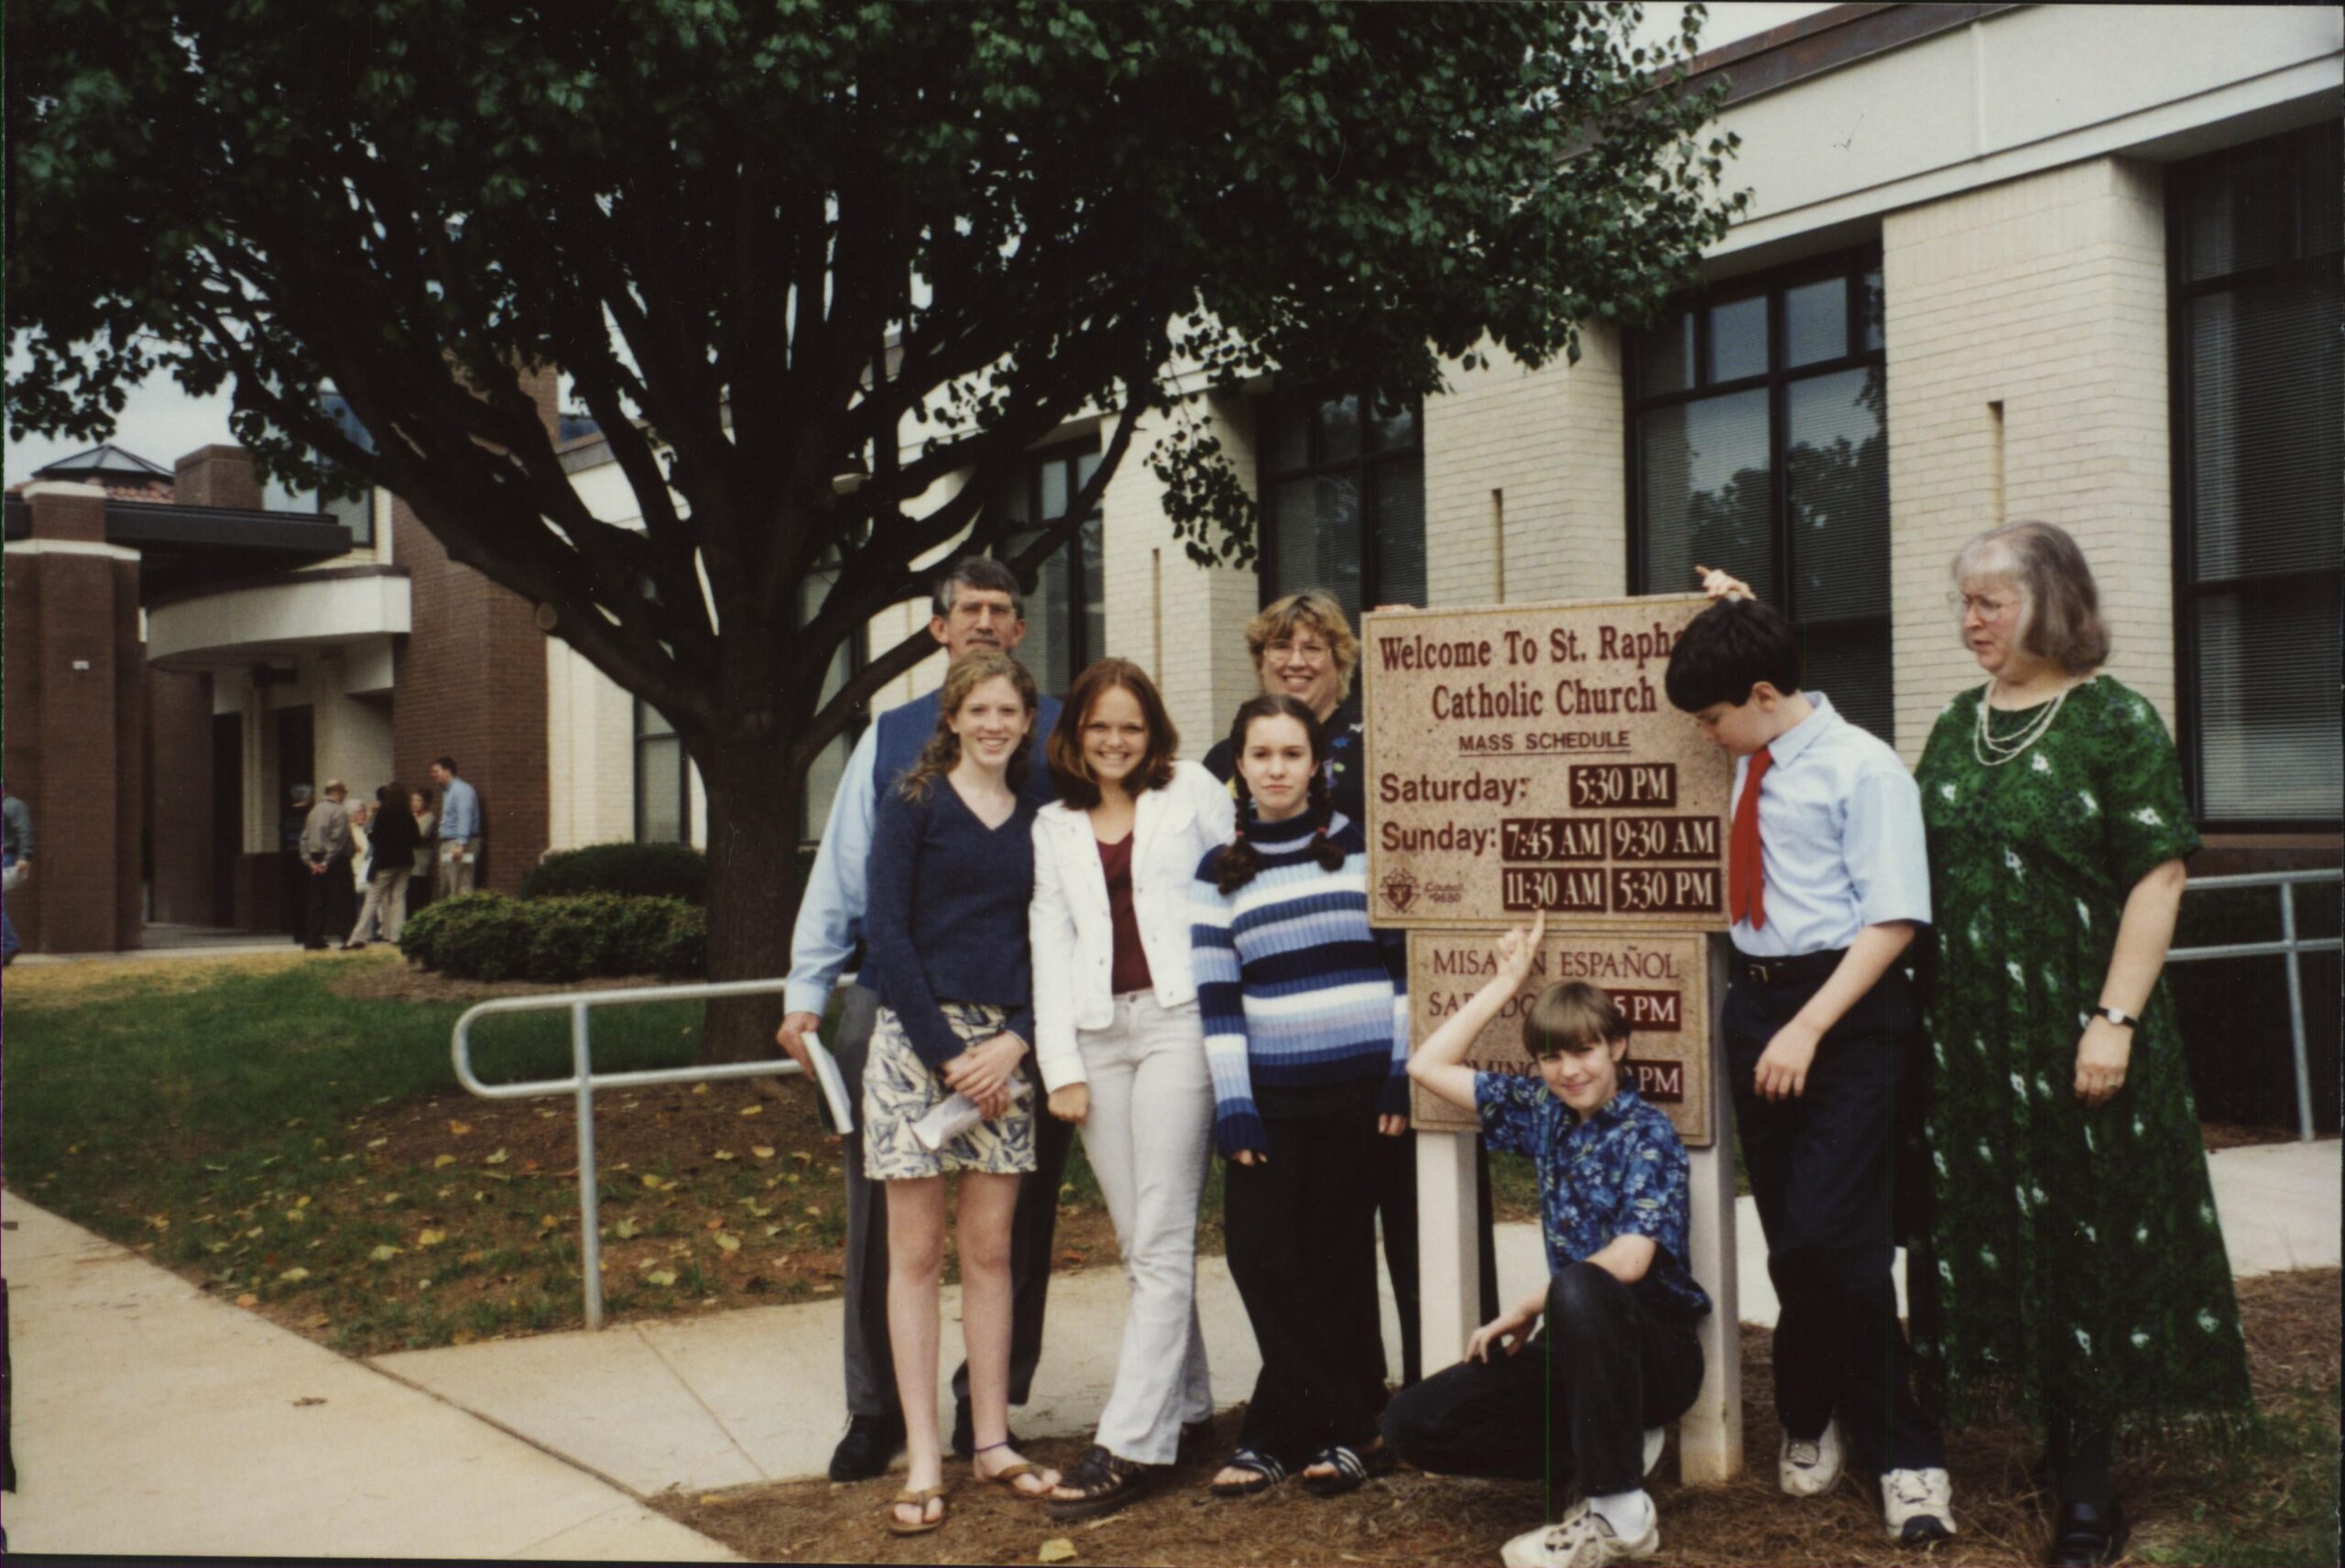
[
  {"x": 430, "y": 1238},
  {"x": 295, "y": 1217},
  {"x": 728, "y": 1241},
  {"x": 473, "y": 1257},
  {"x": 626, "y": 1230},
  {"x": 248, "y": 1300},
  {"x": 216, "y": 1246},
  {"x": 160, "y": 1222},
  {"x": 723, "y": 1154},
  {"x": 294, "y": 1276},
  {"x": 707, "y": 1498},
  {"x": 302, "y": 1202},
  {"x": 307, "y": 1400},
  {"x": 320, "y": 1321},
  {"x": 801, "y": 1156},
  {"x": 654, "y": 1182},
  {"x": 547, "y": 1222},
  {"x": 661, "y": 1277},
  {"x": 385, "y": 1253},
  {"x": 753, "y": 1110},
  {"x": 496, "y": 1159},
  {"x": 462, "y": 1336},
  {"x": 252, "y": 1233},
  {"x": 377, "y": 1142},
  {"x": 442, "y": 1161},
  {"x": 460, "y": 1129},
  {"x": 1058, "y": 1549},
  {"x": 763, "y": 1151},
  {"x": 700, "y": 1088},
  {"x": 760, "y": 1210},
  {"x": 773, "y": 1230}
]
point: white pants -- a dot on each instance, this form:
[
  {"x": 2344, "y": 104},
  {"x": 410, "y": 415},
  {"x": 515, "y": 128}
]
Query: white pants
[{"x": 1149, "y": 1140}]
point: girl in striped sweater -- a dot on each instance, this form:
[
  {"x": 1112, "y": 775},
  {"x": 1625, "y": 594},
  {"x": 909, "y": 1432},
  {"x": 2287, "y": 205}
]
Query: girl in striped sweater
[{"x": 1306, "y": 1014}]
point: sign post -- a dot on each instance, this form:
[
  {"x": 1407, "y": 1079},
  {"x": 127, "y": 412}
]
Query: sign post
[{"x": 1523, "y": 758}]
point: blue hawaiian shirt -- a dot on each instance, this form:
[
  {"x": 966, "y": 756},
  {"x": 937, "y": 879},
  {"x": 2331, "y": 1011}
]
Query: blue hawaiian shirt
[{"x": 1619, "y": 1172}]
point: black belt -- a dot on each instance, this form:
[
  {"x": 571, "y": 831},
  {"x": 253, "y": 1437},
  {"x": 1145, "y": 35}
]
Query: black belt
[{"x": 1801, "y": 969}]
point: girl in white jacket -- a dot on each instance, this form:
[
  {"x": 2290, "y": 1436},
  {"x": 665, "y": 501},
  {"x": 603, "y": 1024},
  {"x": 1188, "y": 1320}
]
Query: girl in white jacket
[{"x": 1121, "y": 1047}]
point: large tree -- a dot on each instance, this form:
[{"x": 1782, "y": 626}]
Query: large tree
[{"x": 719, "y": 218}]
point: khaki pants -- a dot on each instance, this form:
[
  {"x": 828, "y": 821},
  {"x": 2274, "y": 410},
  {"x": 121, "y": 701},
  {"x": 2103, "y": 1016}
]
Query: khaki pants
[
  {"x": 385, "y": 910},
  {"x": 458, "y": 864}
]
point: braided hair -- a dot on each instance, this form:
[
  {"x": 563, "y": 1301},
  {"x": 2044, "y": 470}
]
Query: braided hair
[{"x": 1242, "y": 861}]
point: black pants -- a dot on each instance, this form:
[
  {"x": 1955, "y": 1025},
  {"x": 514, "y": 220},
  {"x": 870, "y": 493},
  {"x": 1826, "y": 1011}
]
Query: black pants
[
  {"x": 334, "y": 903},
  {"x": 870, "y": 1351},
  {"x": 1821, "y": 1172},
  {"x": 1571, "y": 1407},
  {"x": 1300, "y": 1234},
  {"x": 1394, "y": 1163}
]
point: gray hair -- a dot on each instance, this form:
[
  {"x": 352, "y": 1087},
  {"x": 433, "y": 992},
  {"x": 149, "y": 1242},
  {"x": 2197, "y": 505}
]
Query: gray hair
[
  {"x": 2059, "y": 614},
  {"x": 979, "y": 572},
  {"x": 302, "y": 792}
]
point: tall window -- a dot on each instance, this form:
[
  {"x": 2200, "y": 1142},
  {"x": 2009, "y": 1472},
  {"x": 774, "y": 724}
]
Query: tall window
[
  {"x": 823, "y": 775},
  {"x": 355, "y": 512},
  {"x": 1066, "y": 623},
  {"x": 1343, "y": 499},
  {"x": 663, "y": 796},
  {"x": 1759, "y": 443},
  {"x": 2259, "y": 399}
]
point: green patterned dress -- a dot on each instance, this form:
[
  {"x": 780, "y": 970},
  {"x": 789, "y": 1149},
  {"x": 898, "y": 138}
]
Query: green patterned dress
[{"x": 2074, "y": 1267}]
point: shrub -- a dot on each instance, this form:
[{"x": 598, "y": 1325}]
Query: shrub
[
  {"x": 486, "y": 936},
  {"x": 647, "y": 870}
]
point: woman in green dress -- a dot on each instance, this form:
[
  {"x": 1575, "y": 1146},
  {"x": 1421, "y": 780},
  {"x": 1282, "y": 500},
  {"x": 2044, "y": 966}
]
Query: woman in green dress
[{"x": 2074, "y": 1269}]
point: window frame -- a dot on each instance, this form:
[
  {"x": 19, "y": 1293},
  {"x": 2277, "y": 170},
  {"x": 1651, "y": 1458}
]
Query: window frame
[
  {"x": 1317, "y": 465},
  {"x": 1853, "y": 264},
  {"x": 2181, "y": 290},
  {"x": 859, "y": 655},
  {"x": 683, "y": 774},
  {"x": 1080, "y": 653}
]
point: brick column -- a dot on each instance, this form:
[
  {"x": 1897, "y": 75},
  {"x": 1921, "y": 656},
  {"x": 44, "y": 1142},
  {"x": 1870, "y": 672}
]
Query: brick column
[{"x": 76, "y": 693}]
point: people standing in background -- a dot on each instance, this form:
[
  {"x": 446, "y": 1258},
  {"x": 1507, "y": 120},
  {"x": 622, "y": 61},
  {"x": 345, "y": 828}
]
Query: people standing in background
[
  {"x": 325, "y": 850},
  {"x": 17, "y": 857},
  {"x": 459, "y": 831},
  {"x": 392, "y": 841},
  {"x": 427, "y": 845},
  {"x": 1302, "y": 646}
]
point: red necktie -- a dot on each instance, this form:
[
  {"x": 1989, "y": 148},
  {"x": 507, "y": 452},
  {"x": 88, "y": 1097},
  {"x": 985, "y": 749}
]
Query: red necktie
[{"x": 1746, "y": 875}]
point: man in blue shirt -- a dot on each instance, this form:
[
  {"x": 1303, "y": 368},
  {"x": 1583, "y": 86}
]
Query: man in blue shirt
[
  {"x": 1617, "y": 1359},
  {"x": 1828, "y": 881},
  {"x": 459, "y": 831},
  {"x": 979, "y": 605}
]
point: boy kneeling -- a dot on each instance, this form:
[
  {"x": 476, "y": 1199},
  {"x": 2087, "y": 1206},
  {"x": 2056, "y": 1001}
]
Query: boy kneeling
[{"x": 1617, "y": 1356}]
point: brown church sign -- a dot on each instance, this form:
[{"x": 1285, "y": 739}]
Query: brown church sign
[
  {"x": 1525, "y": 756},
  {"x": 1660, "y": 981}
]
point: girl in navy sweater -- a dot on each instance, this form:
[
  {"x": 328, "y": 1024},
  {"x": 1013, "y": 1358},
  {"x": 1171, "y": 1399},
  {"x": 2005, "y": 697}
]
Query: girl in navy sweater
[
  {"x": 945, "y": 937},
  {"x": 1306, "y": 1031}
]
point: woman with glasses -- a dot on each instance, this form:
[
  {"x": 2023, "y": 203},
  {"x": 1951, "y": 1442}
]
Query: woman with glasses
[{"x": 1302, "y": 646}]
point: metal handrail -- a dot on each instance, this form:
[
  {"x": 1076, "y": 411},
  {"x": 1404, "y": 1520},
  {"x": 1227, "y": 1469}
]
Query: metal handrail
[
  {"x": 2287, "y": 947},
  {"x": 583, "y": 1080}
]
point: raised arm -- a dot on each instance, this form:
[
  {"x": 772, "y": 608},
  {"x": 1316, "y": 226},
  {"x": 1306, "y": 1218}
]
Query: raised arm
[{"x": 1438, "y": 1062}]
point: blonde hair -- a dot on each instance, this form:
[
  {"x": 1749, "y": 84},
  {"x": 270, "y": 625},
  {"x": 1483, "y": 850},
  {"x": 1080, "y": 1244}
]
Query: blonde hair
[
  {"x": 1317, "y": 609},
  {"x": 942, "y": 752},
  {"x": 2059, "y": 614},
  {"x": 1571, "y": 1016}
]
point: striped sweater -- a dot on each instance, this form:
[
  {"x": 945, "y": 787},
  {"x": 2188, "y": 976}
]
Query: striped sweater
[{"x": 1295, "y": 989}]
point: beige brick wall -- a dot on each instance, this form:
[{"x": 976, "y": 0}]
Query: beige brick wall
[
  {"x": 2046, "y": 295},
  {"x": 1542, "y": 449},
  {"x": 590, "y": 753},
  {"x": 1183, "y": 624}
]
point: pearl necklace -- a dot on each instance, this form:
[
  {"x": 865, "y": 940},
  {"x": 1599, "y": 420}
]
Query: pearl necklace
[{"x": 1993, "y": 750}]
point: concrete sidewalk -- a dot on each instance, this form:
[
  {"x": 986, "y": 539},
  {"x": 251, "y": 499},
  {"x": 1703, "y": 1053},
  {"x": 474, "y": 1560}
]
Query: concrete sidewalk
[
  {"x": 152, "y": 1421},
  {"x": 151, "y": 1418}
]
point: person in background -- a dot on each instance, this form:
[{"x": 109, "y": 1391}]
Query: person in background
[
  {"x": 952, "y": 872},
  {"x": 460, "y": 825},
  {"x": 1302, "y": 646},
  {"x": 1306, "y": 1024},
  {"x": 326, "y": 852},
  {"x": 391, "y": 861},
  {"x": 977, "y": 605},
  {"x": 1121, "y": 1047},
  {"x": 17, "y": 858},
  {"x": 427, "y": 846},
  {"x": 1583, "y": 1403}
]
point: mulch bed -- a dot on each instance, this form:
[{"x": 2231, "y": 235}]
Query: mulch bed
[{"x": 1409, "y": 1519}]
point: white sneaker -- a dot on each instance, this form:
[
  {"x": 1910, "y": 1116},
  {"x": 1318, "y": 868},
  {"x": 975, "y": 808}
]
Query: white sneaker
[
  {"x": 1583, "y": 1538},
  {"x": 1917, "y": 1506},
  {"x": 1654, "y": 1437},
  {"x": 1810, "y": 1467}
]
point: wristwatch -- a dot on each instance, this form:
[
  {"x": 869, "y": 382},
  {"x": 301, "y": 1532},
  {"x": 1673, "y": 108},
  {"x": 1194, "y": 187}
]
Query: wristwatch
[{"x": 2117, "y": 1015}]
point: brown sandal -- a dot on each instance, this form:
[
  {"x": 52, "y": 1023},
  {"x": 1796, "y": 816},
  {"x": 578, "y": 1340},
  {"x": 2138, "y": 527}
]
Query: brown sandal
[
  {"x": 920, "y": 1499},
  {"x": 1007, "y": 1479}
]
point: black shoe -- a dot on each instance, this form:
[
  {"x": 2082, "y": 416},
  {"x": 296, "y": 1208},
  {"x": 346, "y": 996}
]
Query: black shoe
[
  {"x": 2088, "y": 1536},
  {"x": 1106, "y": 1483},
  {"x": 870, "y": 1444},
  {"x": 965, "y": 1432},
  {"x": 1195, "y": 1437}
]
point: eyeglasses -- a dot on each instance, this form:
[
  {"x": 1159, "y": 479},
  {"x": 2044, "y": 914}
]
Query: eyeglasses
[
  {"x": 1988, "y": 607},
  {"x": 1310, "y": 653}
]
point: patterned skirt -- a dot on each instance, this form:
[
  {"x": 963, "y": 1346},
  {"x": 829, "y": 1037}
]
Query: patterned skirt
[{"x": 898, "y": 1089}]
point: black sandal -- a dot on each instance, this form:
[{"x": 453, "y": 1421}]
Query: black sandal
[
  {"x": 1352, "y": 1469},
  {"x": 1106, "y": 1482},
  {"x": 1267, "y": 1472}
]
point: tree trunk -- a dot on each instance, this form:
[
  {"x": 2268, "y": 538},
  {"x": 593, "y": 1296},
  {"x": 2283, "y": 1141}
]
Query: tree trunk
[{"x": 753, "y": 828}]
